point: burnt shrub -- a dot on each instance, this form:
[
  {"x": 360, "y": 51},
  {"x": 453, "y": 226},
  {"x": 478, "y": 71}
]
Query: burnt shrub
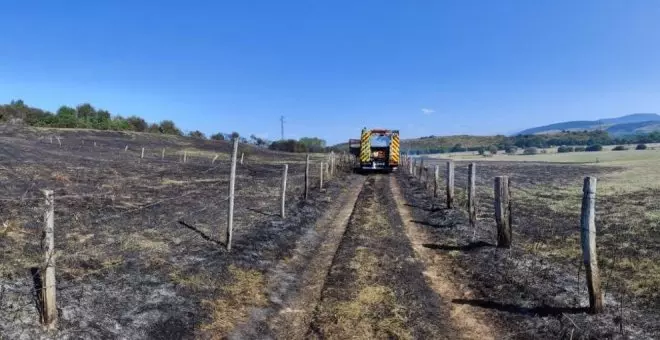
[
  {"x": 619, "y": 148},
  {"x": 579, "y": 149},
  {"x": 640, "y": 147}
]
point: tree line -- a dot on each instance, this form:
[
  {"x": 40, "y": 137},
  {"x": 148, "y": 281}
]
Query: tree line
[
  {"x": 86, "y": 116},
  {"x": 564, "y": 138}
]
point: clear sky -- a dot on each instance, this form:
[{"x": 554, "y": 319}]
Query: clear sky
[{"x": 332, "y": 67}]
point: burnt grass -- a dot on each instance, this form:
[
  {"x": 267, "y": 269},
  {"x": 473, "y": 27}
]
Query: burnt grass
[
  {"x": 375, "y": 288},
  {"x": 140, "y": 242},
  {"x": 536, "y": 289}
]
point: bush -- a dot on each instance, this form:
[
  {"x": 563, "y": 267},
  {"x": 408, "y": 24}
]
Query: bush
[
  {"x": 640, "y": 147},
  {"x": 511, "y": 150},
  {"x": 595, "y": 147},
  {"x": 531, "y": 151},
  {"x": 619, "y": 148},
  {"x": 579, "y": 149},
  {"x": 492, "y": 150},
  {"x": 482, "y": 151},
  {"x": 564, "y": 149}
]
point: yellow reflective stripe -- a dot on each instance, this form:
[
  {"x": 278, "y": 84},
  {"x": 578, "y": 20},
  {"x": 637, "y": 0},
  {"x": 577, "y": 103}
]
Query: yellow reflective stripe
[{"x": 365, "y": 146}]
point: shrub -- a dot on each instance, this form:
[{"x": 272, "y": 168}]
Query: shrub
[
  {"x": 595, "y": 147},
  {"x": 531, "y": 151},
  {"x": 482, "y": 151},
  {"x": 511, "y": 149},
  {"x": 564, "y": 149},
  {"x": 619, "y": 148},
  {"x": 579, "y": 149},
  {"x": 640, "y": 147},
  {"x": 492, "y": 150}
]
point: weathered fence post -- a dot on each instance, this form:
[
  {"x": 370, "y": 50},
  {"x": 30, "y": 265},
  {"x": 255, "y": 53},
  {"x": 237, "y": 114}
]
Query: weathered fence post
[
  {"x": 588, "y": 240},
  {"x": 421, "y": 168},
  {"x": 436, "y": 180},
  {"x": 472, "y": 207},
  {"x": 162, "y": 154},
  {"x": 450, "y": 184},
  {"x": 142, "y": 155},
  {"x": 410, "y": 166},
  {"x": 214, "y": 159},
  {"x": 285, "y": 170},
  {"x": 306, "y": 193},
  {"x": 232, "y": 184},
  {"x": 94, "y": 143},
  {"x": 242, "y": 154},
  {"x": 51, "y": 139},
  {"x": 332, "y": 164},
  {"x": 185, "y": 155},
  {"x": 59, "y": 141},
  {"x": 503, "y": 216},
  {"x": 321, "y": 170},
  {"x": 126, "y": 148},
  {"x": 49, "y": 312}
]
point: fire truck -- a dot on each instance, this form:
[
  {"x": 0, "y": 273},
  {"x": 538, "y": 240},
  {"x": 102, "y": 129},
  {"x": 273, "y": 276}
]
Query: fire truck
[{"x": 377, "y": 150}]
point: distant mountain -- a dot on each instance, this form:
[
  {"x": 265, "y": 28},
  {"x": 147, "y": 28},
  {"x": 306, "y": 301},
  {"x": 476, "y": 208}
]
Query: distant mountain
[{"x": 625, "y": 125}]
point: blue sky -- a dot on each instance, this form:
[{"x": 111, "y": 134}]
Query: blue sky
[{"x": 332, "y": 67}]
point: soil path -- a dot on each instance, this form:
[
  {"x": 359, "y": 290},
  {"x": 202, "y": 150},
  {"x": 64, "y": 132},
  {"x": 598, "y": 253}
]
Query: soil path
[
  {"x": 294, "y": 285},
  {"x": 469, "y": 322},
  {"x": 375, "y": 288}
]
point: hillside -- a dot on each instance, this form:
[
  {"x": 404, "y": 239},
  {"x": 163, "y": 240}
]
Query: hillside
[{"x": 620, "y": 126}]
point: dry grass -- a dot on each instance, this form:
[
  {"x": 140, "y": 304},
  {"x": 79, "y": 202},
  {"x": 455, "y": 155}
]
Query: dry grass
[{"x": 246, "y": 291}]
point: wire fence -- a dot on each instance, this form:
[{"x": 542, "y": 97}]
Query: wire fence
[
  {"x": 547, "y": 249},
  {"x": 119, "y": 207}
]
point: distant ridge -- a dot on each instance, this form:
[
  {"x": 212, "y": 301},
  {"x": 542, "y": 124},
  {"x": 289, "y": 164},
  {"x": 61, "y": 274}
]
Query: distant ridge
[{"x": 625, "y": 125}]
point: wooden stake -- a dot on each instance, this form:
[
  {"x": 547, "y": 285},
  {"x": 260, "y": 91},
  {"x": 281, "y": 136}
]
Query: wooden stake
[
  {"x": 214, "y": 158},
  {"x": 411, "y": 164},
  {"x": 588, "y": 240},
  {"x": 142, "y": 155},
  {"x": 51, "y": 139},
  {"x": 332, "y": 164},
  {"x": 472, "y": 191},
  {"x": 126, "y": 148},
  {"x": 185, "y": 155},
  {"x": 48, "y": 284},
  {"x": 162, "y": 154},
  {"x": 503, "y": 216},
  {"x": 59, "y": 141},
  {"x": 436, "y": 180},
  {"x": 285, "y": 170},
  {"x": 450, "y": 184},
  {"x": 306, "y": 194},
  {"x": 94, "y": 143},
  {"x": 472, "y": 208},
  {"x": 242, "y": 158},
  {"x": 232, "y": 184},
  {"x": 421, "y": 167},
  {"x": 322, "y": 169}
]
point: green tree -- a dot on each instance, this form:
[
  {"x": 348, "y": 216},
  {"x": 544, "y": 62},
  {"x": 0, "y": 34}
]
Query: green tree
[
  {"x": 218, "y": 136},
  {"x": 137, "y": 123},
  {"x": 492, "y": 149},
  {"x": 66, "y": 117},
  {"x": 169, "y": 128},
  {"x": 85, "y": 112},
  {"x": 197, "y": 134}
]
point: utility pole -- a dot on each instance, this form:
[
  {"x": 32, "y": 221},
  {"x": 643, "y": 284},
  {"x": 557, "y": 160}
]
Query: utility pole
[{"x": 282, "y": 121}]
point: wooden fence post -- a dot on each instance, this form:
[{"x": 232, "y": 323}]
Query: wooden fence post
[
  {"x": 322, "y": 169},
  {"x": 450, "y": 184},
  {"x": 214, "y": 159},
  {"x": 472, "y": 207},
  {"x": 421, "y": 167},
  {"x": 242, "y": 154},
  {"x": 503, "y": 216},
  {"x": 185, "y": 155},
  {"x": 332, "y": 164},
  {"x": 94, "y": 143},
  {"x": 232, "y": 184},
  {"x": 142, "y": 155},
  {"x": 59, "y": 141},
  {"x": 162, "y": 154},
  {"x": 126, "y": 148},
  {"x": 48, "y": 292},
  {"x": 411, "y": 163},
  {"x": 306, "y": 193},
  {"x": 436, "y": 180},
  {"x": 51, "y": 139},
  {"x": 285, "y": 170},
  {"x": 588, "y": 240}
]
